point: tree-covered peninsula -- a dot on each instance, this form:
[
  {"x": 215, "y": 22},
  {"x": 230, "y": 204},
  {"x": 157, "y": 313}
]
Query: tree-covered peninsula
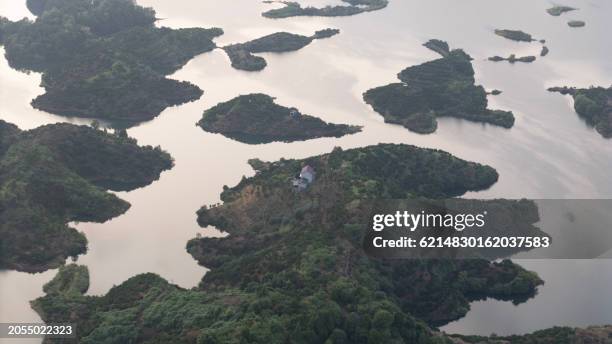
[
  {"x": 241, "y": 54},
  {"x": 593, "y": 104},
  {"x": 256, "y": 118},
  {"x": 293, "y": 270},
  {"x": 104, "y": 58},
  {"x": 353, "y": 7},
  {"x": 56, "y": 174},
  {"x": 438, "y": 88}
]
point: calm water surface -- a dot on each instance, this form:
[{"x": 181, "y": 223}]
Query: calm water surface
[{"x": 550, "y": 152}]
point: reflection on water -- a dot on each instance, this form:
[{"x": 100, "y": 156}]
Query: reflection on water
[
  {"x": 576, "y": 293},
  {"x": 550, "y": 153}
]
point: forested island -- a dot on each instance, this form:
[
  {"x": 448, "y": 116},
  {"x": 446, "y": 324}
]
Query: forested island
[
  {"x": 576, "y": 23},
  {"x": 293, "y": 269},
  {"x": 559, "y": 10},
  {"x": 256, "y": 118},
  {"x": 514, "y": 35},
  {"x": 438, "y": 88},
  {"x": 593, "y": 104},
  {"x": 104, "y": 59},
  {"x": 241, "y": 54},
  {"x": 353, "y": 7},
  {"x": 513, "y": 59},
  {"x": 56, "y": 174}
]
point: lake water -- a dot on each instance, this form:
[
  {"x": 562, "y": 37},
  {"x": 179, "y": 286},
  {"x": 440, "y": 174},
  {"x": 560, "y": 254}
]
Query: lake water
[{"x": 550, "y": 152}]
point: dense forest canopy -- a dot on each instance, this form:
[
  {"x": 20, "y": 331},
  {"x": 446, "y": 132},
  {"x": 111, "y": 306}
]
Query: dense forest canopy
[
  {"x": 438, "y": 88},
  {"x": 241, "y": 54},
  {"x": 292, "y": 269},
  {"x": 594, "y": 105},
  {"x": 104, "y": 58},
  {"x": 56, "y": 174},
  {"x": 256, "y": 118}
]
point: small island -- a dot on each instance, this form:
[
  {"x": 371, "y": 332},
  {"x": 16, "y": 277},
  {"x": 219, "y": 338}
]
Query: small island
[
  {"x": 241, "y": 54},
  {"x": 576, "y": 23},
  {"x": 559, "y": 10},
  {"x": 515, "y": 35},
  {"x": 513, "y": 59},
  {"x": 104, "y": 59},
  {"x": 440, "y": 88},
  {"x": 593, "y": 104},
  {"x": 353, "y": 7},
  {"x": 293, "y": 265},
  {"x": 56, "y": 174},
  {"x": 256, "y": 118}
]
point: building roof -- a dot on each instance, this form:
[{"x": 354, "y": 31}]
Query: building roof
[{"x": 308, "y": 169}]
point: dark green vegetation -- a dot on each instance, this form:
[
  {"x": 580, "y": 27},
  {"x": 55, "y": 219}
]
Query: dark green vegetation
[
  {"x": 438, "y": 88},
  {"x": 255, "y": 118},
  {"x": 56, "y": 174},
  {"x": 593, "y": 104},
  {"x": 292, "y": 269},
  {"x": 104, "y": 58},
  {"x": 559, "y": 10},
  {"x": 71, "y": 280},
  {"x": 513, "y": 59},
  {"x": 576, "y": 23},
  {"x": 242, "y": 57},
  {"x": 515, "y": 35},
  {"x": 294, "y": 9},
  {"x": 439, "y": 46}
]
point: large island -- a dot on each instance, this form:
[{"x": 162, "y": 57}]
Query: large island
[
  {"x": 292, "y": 268},
  {"x": 440, "y": 88},
  {"x": 104, "y": 59},
  {"x": 56, "y": 174},
  {"x": 255, "y": 118}
]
